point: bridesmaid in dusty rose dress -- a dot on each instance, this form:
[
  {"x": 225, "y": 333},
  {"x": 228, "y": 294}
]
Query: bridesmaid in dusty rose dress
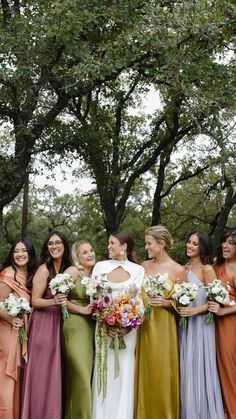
[
  {"x": 226, "y": 322},
  {"x": 14, "y": 278},
  {"x": 42, "y": 381}
]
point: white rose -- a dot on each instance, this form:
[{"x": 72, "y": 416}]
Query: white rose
[
  {"x": 63, "y": 288},
  {"x": 184, "y": 300},
  {"x": 219, "y": 299}
]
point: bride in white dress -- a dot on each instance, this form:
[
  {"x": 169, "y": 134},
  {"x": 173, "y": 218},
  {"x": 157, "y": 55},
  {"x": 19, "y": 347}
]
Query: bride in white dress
[{"x": 122, "y": 271}]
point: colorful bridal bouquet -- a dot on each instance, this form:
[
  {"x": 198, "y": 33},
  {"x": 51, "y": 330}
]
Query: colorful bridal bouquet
[
  {"x": 62, "y": 283},
  {"x": 113, "y": 312},
  {"x": 17, "y": 307},
  {"x": 184, "y": 294},
  {"x": 216, "y": 292},
  {"x": 153, "y": 286}
]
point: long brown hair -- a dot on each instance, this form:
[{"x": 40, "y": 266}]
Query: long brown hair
[
  {"x": 125, "y": 237},
  {"x": 48, "y": 260}
]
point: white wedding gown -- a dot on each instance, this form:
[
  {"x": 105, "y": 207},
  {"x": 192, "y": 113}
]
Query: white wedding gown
[{"x": 119, "y": 400}]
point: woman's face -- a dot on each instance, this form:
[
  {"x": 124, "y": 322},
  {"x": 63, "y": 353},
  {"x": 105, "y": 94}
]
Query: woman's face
[
  {"x": 86, "y": 255},
  {"x": 55, "y": 247},
  {"x": 20, "y": 255},
  {"x": 116, "y": 250},
  {"x": 229, "y": 248},
  {"x": 192, "y": 246},
  {"x": 153, "y": 247}
]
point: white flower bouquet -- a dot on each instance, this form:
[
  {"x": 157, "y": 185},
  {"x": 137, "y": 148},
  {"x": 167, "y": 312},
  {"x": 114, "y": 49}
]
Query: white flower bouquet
[
  {"x": 216, "y": 292},
  {"x": 17, "y": 307},
  {"x": 153, "y": 286},
  {"x": 184, "y": 294},
  {"x": 62, "y": 283}
]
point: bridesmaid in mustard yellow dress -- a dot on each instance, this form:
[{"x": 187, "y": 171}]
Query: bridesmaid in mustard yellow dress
[{"x": 157, "y": 363}]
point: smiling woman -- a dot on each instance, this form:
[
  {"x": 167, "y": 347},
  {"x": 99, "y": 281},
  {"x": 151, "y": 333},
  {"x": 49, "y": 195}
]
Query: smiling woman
[
  {"x": 14, "y": 278},
  {"x": 226, "y": 322},
  {"x": 42, "y": 380},
  {"x": 78, "y": 336},
  {"x": 200, "y": 387},
  {"x": 122, "y": 270}
]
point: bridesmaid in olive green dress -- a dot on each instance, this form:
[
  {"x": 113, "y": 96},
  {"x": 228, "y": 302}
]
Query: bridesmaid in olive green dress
[{"x": 78, "y": 337}]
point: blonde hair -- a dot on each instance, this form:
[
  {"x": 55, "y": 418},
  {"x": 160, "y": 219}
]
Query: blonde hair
[
  {"x": 74, "y": 252},
  {"x": 160, "y": 232}
]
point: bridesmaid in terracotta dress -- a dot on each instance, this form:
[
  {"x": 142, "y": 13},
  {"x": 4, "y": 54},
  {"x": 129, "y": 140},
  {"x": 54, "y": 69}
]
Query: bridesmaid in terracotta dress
[
  {"x": 42, "y": 393},
  {"x": 14, "y": 278},
  {"x": 78, "y": 336},
  {"x": 157, "y": 362},
  {"x": 226, "y": 322}
]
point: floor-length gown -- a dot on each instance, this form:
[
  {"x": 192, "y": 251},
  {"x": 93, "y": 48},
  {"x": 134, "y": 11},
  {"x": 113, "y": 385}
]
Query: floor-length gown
[
  {"x": 226, "y": 348},
  {"x": 157, "y": 365},
  {"x": 11, "y": 352},
  {"x": 119, "y": 400},
  {"x": 199, "y": 381},
  {"x": 78, "y": 353},
  {"x": 42, "y": 378}
]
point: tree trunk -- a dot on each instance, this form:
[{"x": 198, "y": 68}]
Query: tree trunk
[
  {"x": 1, "y": 232},
  {"x": 24, "y": 219},
  {"x": 222, "y": 217}
]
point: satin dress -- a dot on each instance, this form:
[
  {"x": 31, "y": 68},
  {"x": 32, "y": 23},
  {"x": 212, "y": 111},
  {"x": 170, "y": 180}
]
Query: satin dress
[
  {"x": 11, "y": 352},
  {"x": 42, "y": 386},
  {"x": 157, "y": 366},
  {"x": 78, "y": 354},
  {"x": 226, "y": 348},
  {"x": 119, "y": 400},
  {"x": 200, "y": 386}
]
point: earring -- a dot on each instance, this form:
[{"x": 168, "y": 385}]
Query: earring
[{"x": 122, "y": 252}]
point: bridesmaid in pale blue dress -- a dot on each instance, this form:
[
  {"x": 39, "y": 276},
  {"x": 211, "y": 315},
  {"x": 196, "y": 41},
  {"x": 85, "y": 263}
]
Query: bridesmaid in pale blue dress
[{"x": 199, "y": 382}]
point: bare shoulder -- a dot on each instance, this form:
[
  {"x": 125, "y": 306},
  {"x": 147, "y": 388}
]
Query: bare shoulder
[
  {"x": 207, "y": 268},
  {"x": 145, "y": 263},
  {"x": 148, "y": 266},
  {"x": 72, "y": 271},
  {"x": 42, "y": 273},
  {"x": 178, "y": 272},
  {"x": 208, "y": 273},
  {"x": 179, "y": 268},
  {"x": 42, "y": 269}
]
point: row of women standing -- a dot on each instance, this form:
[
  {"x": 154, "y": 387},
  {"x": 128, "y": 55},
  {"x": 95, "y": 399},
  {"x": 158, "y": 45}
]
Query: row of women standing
[{"x": 149, "y": 385}]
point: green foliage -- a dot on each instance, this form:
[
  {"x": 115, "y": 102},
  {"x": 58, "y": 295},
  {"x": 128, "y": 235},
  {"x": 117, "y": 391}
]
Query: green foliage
[{"x": 71, "y": 73}]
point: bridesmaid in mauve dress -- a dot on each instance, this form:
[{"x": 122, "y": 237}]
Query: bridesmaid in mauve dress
[
  {"x": 78, "y": 337},
  {"x": 157, "y": 361},
  {"x": 42, "y": 393},
  {"x": 14, "y": 278},
  {"x": 199, "y": 381},
  {"x": 226, "y": 322}
]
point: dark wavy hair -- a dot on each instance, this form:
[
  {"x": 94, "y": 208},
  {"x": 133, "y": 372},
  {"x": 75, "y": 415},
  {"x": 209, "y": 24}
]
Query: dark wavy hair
[
  {"x": 227, "y": 233},
  {"x": 47, "y": 258},
  {"x": 32, "y": 264},
  {"x": 125, "y": 237},
  {"x": 205, "y": 247}
]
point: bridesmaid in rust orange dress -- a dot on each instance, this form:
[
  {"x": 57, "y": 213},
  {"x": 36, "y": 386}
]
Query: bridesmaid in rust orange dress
[
  {"x": 14, "y": 278},
  {"x": 226, "y": 323}
]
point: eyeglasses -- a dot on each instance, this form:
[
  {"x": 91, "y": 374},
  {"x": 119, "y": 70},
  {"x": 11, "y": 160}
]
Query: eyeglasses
[{"x": 56, "y": 243}]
